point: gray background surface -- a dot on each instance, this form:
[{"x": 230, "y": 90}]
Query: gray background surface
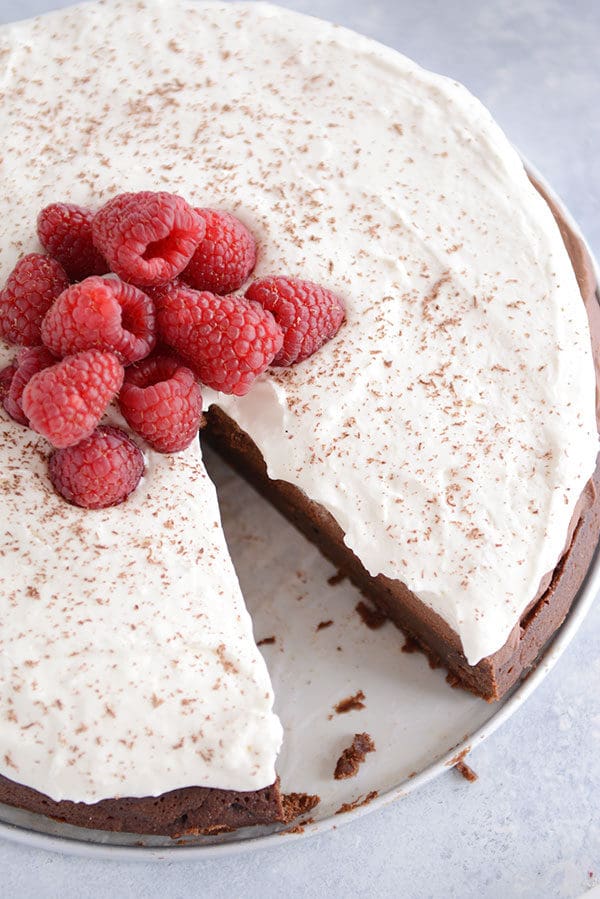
[{"x": 530, "y": 826}]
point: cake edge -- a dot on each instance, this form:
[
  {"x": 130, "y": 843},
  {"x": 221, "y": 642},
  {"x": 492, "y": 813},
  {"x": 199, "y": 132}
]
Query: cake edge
[
  {"x": 493, "y": 676},
  {"x": 210, "y": 811},
  {"x": 189, "y": 810}
]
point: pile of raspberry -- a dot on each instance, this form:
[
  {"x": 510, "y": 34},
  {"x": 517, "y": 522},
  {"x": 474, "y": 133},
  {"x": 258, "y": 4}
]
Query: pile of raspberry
[{"x": 136, "y": 303}]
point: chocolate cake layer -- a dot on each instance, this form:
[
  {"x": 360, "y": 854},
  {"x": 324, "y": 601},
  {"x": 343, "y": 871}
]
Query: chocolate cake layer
[
  {"x": 209, "y": 811},
  {"x": 189, "y": 810},
  {"x": 493, "y": 676}
]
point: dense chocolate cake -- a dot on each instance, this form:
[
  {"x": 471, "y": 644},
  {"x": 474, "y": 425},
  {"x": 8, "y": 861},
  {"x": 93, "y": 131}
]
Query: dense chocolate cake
[{"x": 441, "y": 449}]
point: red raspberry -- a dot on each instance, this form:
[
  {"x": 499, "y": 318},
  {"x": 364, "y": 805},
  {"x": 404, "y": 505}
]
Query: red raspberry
[
  {"x": 226, "y": 340},
  {"x": 102, "y": 314},
  {"x": 148, "y": 238},
  {"x": 160, "y": 399},
  {"x": 225, "y": 256},
  {"x": 64, "y": 403},
  {"x": 65, "y": 231},
  {"x": 33, "y": 285},
  {"x": 29, "y": 361},
  {"x": 309, "y": 314},
  {"x": 100, "y": 471},
  {"x": 6, "y": 376}
]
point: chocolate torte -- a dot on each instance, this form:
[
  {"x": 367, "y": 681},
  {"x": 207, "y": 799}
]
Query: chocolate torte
[{"x": 441, "y": 449}]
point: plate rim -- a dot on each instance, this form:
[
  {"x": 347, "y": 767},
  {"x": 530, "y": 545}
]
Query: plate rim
[{"x": 586, "y": 595}]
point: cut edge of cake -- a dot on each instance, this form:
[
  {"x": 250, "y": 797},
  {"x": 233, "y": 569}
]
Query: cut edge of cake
[
  {"x": 209, "y": 811},
  {"x": 493, "y": 676}
]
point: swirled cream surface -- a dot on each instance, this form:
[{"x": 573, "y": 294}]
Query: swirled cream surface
[{"x": 449, "y": 427}]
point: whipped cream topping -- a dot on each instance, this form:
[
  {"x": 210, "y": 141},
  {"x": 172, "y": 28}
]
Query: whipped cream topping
[
  {"x": 127, "y": 662},
  {"x": 449, "y": 427}
]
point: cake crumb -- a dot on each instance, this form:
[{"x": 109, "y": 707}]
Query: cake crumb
[
  {"x": 371, "y": 616},
  {"x": 296, "y": 804},
  {"x": 336, "y": 578},
  {"x": 410, "y": 645},
  {"x": 299, "y": 827},
  {"x": 351, "y": 703},
  {"x": 323, "y": 624},
  {"x": 458, "y": 761},
  {"x": 265, "y": 641},
  {"x": 362, "y": 800},
  {"x": 466, "y": 772},
  {"x": 459, "y": 757},
  {"x": 351, "y": 758}
]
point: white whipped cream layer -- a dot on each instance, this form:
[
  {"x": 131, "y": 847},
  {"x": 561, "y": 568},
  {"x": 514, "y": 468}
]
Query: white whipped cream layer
[
  {"x": 127, "y": 661},
  {"x": 449, "y": 427}
]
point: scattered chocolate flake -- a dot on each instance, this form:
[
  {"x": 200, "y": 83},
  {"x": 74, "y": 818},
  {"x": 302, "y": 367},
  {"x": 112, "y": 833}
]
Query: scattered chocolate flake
[
  {"x": 371, "y": 616},
  {"x": 265, "y": 641},
  {"x": 323, "y": 624},
  {"x": 351, "y": 703},
  {"x": 296, "y": 804},
  {"x": 362, "y": 800},
  {"x": 466, "y": 771},
  {"x": 336, "y": 578},
  {"x": 351, "y": 758},
  {"x": 453, "y": 680}
]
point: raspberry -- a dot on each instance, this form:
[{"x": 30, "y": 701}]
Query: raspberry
[
  {"x": 6, "y": 376},
  {"x": 64, "y": 403},
  {"x": 148, "y": 238},
  {"x": 227, "y": 341},
  {"x": 103, "y": 314},
  {"x": 65, "y": 231},
  {"x": 29, "y": 361},
  {"x": 33, "y": 285},
  {"x": 225, "y": 256},
  {"x": 309, "y": 314},
  {"x": 100, "y": 471},
  {"x": 160, "y": 399}
]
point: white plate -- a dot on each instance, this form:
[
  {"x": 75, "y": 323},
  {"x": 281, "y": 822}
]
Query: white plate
[{"x": 419, "y": 724}]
